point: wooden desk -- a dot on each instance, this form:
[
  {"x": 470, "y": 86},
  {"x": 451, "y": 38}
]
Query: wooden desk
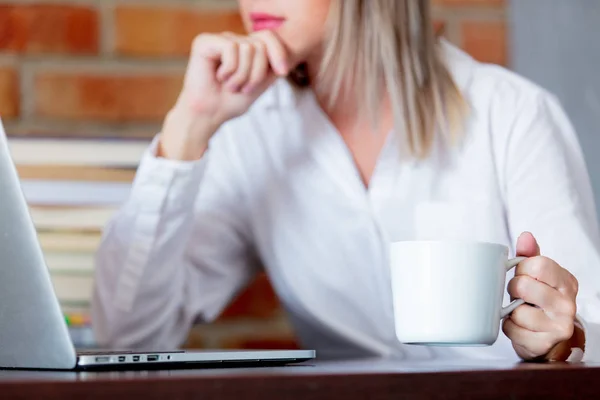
[{"x": 369, "y": 379}]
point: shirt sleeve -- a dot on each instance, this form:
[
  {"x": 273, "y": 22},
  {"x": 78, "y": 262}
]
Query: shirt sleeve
[
  {"x": 175, "y": 253},
  {"x": 548, "y": 193}
]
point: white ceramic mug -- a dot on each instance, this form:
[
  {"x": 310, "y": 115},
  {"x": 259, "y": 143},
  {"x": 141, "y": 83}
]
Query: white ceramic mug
[{"x": 449, "y": 293}]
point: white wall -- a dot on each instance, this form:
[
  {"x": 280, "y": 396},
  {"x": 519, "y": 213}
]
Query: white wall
[{"x": 556, "y": 43}]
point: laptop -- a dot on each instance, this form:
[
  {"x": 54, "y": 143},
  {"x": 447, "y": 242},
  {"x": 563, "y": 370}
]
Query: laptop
[{"x": 33, "y": 330}]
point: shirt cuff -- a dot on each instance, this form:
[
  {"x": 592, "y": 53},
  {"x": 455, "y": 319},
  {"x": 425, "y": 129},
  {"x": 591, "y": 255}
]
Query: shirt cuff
[
  {"x": 592, "y": 343},
  {"x": 159, "y": 180},
  {"x": 577, "y": 353}
]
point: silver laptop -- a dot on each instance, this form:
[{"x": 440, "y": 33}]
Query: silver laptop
[{"x": 33, "y": 331}]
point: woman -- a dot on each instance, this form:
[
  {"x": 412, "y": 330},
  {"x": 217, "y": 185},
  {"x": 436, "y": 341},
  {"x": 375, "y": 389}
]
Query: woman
[{"x": 306, "y": 147}]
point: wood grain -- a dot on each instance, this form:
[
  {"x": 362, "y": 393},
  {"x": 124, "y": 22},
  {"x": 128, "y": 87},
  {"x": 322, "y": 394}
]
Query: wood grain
[{"x": 366, "y": 380}]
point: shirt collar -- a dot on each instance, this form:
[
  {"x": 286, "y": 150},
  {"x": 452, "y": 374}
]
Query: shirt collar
[{"x": 460, "y": 64}]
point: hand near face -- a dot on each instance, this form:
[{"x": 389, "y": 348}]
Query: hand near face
[
  {"x": 226, "y": 73},
  {"x": 550, "y": 291}
]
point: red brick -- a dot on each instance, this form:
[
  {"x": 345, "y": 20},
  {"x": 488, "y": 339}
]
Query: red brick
[
  {"x": 48, "y": 28},
  {"x": 167, "y": 31},
  {"x": 9, "y": 93},
  {"x": 260, "y": 343},
  {"x": 468, "y": 3},
  {"x": 105, "y": 97},
  {"x": 486, "y": 41},
  {"x": 257, "y": 301}
]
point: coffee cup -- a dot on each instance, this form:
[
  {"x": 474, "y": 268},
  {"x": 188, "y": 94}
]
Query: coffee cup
[{"x": 449, "y": 293}]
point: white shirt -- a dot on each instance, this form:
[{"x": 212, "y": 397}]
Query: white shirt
[{"x": 278, "y": 190}]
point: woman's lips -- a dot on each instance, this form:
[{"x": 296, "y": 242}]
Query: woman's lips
[{"x": 261, "y": 21}]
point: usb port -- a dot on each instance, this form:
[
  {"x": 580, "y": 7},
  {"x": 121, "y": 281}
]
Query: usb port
[
  {"x": 153, "y": 357},
  {"x": 103, "y": 359},
  {"x": 121, "y": 358},
  {"x": 136, "y": 358}
]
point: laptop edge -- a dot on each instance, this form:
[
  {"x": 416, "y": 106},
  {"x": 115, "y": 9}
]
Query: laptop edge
[{"x": 33, "y": 332}]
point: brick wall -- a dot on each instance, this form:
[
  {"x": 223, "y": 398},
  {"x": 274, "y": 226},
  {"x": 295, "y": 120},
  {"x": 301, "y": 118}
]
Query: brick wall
[{"x": 114, "y": 67}]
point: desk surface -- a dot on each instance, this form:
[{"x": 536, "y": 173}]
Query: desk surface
[{"x": 373, "y": 379}]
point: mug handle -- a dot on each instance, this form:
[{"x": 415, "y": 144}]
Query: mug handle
[{"x": 510, "y": 264}]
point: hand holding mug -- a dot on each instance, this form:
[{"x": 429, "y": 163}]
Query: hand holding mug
[
  {"x": 550, "y": 291},
  {"x": 450, "y": 293}
]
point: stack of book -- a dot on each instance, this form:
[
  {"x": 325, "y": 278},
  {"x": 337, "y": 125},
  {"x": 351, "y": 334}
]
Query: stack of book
[
  {"x": 70, "y": 236},
  {"x": 73, "y": 188}
]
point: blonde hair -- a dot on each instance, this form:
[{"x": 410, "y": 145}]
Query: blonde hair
[{"x": 379, "y": 47}]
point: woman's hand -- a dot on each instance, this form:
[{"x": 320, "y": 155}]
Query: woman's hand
[
  {"x": 226, "y": 73},
  {"x": 547, "y": 321}
]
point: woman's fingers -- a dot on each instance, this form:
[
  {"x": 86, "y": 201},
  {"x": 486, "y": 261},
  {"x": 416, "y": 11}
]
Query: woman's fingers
[
  {"x": 540, "y": 294},
  {"x": 260, "y": 68},
  {"x": 249, "y": 61},
  {"x": 531, "y": 344},
  {"x": 532, "y": 318},
  {"x": 245, "y": 60},
  {"x": 229, "y": 60},
  {"x": 276, "y": 52}
]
